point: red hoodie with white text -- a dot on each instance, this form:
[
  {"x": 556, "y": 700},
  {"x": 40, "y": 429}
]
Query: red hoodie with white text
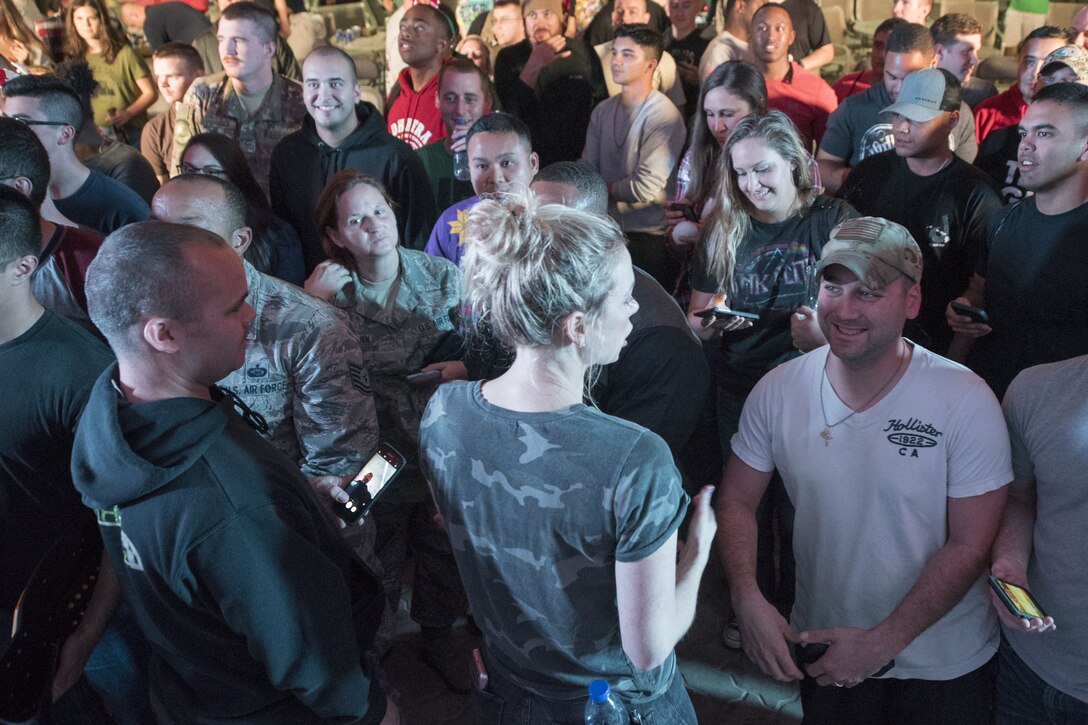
[{"x": 413, "y": 115}]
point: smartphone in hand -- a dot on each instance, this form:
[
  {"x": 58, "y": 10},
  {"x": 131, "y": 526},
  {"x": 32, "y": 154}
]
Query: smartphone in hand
[
  {"x": 424, "y": 377},
  {"x": 1017, "y": 599},
  {"x": 687, "y": 209},
  {"x": 721, "y": 313},
  {"x": 370, "y": 483},
  {"x": 974, "y": 313}
]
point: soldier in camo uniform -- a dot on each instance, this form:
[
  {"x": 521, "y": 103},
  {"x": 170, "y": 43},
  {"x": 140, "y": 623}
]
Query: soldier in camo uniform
[
  {"x": 304, "y": 369},
  {"x": 248, "y": 102},
  {"x": 401, "y": 303}
]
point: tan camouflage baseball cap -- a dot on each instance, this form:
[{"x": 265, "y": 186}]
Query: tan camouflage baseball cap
[
  {"x": 1072, "y": 56},
  {"x": 876, "y": 250}
]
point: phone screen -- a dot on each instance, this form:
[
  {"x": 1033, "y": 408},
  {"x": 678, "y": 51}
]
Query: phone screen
[
  {"x": 1020, "y": 598},
  {"x": 378, "y": 473}
]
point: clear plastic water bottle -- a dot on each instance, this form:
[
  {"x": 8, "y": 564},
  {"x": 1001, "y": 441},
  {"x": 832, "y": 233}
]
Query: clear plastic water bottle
[
  {"x": 460, "y": 158},
  {"x": 604, "y": 708}
]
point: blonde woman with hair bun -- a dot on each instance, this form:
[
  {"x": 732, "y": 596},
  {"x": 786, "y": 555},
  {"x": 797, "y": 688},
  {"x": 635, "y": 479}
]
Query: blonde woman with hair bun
[{"x": 563, "y": 519}]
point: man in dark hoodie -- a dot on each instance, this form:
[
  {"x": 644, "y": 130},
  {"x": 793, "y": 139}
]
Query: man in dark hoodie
[
  {"x": 344, "y": 132},
  {"x": 255, "y": 610}
]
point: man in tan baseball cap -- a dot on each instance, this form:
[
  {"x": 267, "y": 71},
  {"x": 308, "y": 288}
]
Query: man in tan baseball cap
[
  {"x": 1068, "y": 64},
  {"x": 897, "y": 462}
]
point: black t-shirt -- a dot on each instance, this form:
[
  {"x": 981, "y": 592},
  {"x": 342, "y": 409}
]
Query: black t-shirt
[
  {"x": 1036, "y": 292},
  {"x": 173, "y": 21},
  {"x": 49, "y": 370},
  {"x": 103, "y": 204},
  {"x": 809, "y": 25},
  {"x": 771, "y": 278},
  {"x": 948, "y": 214},
  {"x": 661, "y": 378},
  {"x": 688, "y": 50},
  {"x": 997, "y": 159}
]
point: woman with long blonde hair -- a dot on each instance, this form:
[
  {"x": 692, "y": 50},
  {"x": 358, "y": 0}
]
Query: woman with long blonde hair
[{"x": 759, "y": 248}]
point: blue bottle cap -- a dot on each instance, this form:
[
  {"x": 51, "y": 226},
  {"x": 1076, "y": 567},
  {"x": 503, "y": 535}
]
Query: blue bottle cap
[{"x": 599, "y": 690}]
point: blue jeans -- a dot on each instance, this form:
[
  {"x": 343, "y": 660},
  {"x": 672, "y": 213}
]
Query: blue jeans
[
  {"x": 504, "y": 703},
  {"x": 115, "y": 672},
  {"x": 1024, "y": 698},
  {"x": 118, "y": 669}
]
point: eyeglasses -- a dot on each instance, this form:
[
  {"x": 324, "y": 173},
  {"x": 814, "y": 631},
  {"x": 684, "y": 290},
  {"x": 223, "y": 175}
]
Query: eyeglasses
[
  {"x": 206, "y": 170},
  {"x": 31, "y": 122}
]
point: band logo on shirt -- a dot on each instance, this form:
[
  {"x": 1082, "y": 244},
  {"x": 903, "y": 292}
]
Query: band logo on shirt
[{"x": 912, "y": 435}]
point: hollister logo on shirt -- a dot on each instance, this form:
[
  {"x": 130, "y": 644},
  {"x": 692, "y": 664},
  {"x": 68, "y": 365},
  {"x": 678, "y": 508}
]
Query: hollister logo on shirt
[{"x": 911, "y": 435}]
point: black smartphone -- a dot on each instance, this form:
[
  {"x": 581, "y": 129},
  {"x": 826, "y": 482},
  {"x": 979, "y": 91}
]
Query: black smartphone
[
  {"x": 424, "y": 377},
  {"x": 806, "y": 654},
  {"x": 974, "y": 313},
  {"x": 1017, "y": 599},
  {"x": 687, "y": 209},
  {"x": 722, "y": 312},
  {"x": 375, "y": 477}
]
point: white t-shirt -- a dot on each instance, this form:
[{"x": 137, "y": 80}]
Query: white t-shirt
[{"x": 872, "y": 502}]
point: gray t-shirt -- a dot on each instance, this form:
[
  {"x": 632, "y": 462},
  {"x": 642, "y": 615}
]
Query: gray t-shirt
[
  {"x": 1047, "y": 427},
  {"x": 857, "y": 129},
  {"x": 539, "y": 507}
]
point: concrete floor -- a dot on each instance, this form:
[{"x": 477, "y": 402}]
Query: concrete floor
[{"x": 724, "y": 686}]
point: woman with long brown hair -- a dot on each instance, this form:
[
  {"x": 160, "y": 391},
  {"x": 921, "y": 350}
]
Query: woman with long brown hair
[
  {"x": 403, "y": 305},
  {"x": 125, "y": 88},
  {"x": 18, "y": 42}
]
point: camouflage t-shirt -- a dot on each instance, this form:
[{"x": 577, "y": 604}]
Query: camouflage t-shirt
[{"x": 539, "y": 507}]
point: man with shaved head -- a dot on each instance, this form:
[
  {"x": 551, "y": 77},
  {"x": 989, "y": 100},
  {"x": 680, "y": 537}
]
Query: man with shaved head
[
  {"x": 303, "y": 370},
  {"x": 343, "y": 131},
  {"x": 253, "y": 607}
]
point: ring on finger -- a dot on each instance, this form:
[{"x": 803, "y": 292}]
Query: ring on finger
[{"x": 837, "y": 684}]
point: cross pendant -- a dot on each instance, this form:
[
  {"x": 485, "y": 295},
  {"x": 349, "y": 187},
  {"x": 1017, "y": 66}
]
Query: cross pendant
[{"x": 826, "y": 435}]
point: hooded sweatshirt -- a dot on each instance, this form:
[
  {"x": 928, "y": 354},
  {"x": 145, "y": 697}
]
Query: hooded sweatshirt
[
  {"x": 254, "y": 608},
  {"x": 413, "y": 115},
  {"x": 302, "y": 164}
]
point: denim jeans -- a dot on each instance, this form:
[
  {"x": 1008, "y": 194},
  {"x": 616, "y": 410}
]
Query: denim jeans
[
  {"x": 504, "y": 703},
  {"x": 116, "y": 673},
  {"x": 118, "y": 669},
  {"x": 1024, "y": 698}
]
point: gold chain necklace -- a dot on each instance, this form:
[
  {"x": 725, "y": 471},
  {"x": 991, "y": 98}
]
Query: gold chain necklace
[{"x": 826, "y": 432}]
